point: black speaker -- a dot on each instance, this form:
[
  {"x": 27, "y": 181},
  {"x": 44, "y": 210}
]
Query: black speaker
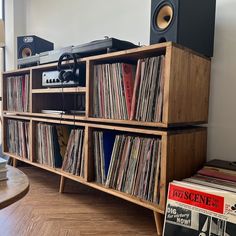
[
  {"x": 190, "y": 23},
  {"x": 31, "y": 45}
]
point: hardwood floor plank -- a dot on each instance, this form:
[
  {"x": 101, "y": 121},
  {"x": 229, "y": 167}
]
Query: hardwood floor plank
[{"x": 79, "y": 211}]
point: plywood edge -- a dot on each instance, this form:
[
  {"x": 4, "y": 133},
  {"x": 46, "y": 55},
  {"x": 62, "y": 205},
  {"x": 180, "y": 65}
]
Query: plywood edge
[
  {"x": 189, "y": 83},
  {"x": 6, "y": 116},
  {"x": 190, "y": 51},
  {"x": 40, "y": 67},
  {"x": 141, "y": 49},
  {"x": 166, "y": 90},
  {"x": 186, "y": 153},
  {"x": 59, "y": 90},
  {"x": 127, "y": 122},
  {"x": 16, "y": 72}
]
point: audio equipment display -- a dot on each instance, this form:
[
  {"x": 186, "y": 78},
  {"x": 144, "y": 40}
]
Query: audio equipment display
[
  {"x": 190, "y": 23},
  {"x": 105, "y": 45},
  {"x": 66, "y": 75},
  {"x": 71, "y": 72},
  {"x": 53, "y": 112},
  {"x": 43, "y": 57},
  {"x": 93, "y": 48},
  {"x": 51, "y": 79},
  {"x": 30, "y": 45},
  {"x": 28, "y": 61},
  {"x": 53, "y": 56}
]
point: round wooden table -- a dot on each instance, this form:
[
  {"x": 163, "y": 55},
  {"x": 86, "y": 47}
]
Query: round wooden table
[{"x": 14, "y": 188}]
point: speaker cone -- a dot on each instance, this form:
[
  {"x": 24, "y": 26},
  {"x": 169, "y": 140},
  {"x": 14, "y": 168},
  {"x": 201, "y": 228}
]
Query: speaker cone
[
  {"x": 26, "y": 52},
  {"x": 164, "y": 16}
]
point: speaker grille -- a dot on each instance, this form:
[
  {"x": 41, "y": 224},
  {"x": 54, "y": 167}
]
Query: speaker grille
[{"x": 163, "y": 16}]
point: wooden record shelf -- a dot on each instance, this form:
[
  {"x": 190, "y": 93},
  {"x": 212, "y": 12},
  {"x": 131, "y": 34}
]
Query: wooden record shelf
[
  {"x": 186, "y": 85},
  {"x": 172, "y": 151},
  {"x": 185, "y": 103}
]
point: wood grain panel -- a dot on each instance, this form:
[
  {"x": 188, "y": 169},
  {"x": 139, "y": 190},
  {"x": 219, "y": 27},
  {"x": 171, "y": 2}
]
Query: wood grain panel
[
  {"x": 89, "y": 88},
  {"x": 186, "y": 154},
  {"x": 189, "y": 87},
  {"x": 14, "y": 188}
]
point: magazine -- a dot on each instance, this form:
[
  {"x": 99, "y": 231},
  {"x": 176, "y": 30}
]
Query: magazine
[{"x": 194, "y": 209}]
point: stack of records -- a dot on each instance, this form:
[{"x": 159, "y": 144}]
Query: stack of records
[
  {"x": 17, "y": 92},
  {"x": 17, "y": 138},
  {"x": 3, "y": 169},
  {"x": 125, "y": 91},
  {"x": 128, "y": 164},
  {"x": 204, "y": 204},
  {"x": 49, "y": 148},
  {"x": 74, "y": 155},
  {"x": 217, "y": 174}
]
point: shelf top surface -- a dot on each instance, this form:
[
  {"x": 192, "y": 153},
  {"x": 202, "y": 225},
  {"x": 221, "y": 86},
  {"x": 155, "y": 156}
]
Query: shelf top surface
[
  {"x": 84, "y": 121},
  {"x": 154, "y": 47}
]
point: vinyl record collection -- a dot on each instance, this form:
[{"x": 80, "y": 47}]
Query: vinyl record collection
[
  {"x": 128, "y": 163},
  {"x": 18, "y": 93},
  {"x": 18, "y": 138},
  {"x": 48, "y": 148},
  {"x": 74, "y": 155},
  {"x": 59, "y": 146},
  {"x": 216, "y": 173},
  {"x": 126, "y": 91}
]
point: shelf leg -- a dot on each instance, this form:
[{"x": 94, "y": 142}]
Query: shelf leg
[
  {"x": 14, "y": 162},
  {"x": 159, "y": 219},
  {"x": 62, "y": 184}
]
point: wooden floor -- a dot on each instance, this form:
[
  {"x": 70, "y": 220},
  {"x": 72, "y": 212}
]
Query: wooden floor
[{"x": 81, "y": 211}]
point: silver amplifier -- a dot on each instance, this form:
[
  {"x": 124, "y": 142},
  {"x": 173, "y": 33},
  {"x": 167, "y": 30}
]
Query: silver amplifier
[{"x": 50, "y": 79}]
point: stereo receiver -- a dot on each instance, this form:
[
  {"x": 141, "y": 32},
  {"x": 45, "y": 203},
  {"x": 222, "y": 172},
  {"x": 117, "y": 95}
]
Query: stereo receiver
[{"x": 51, "y": 79}]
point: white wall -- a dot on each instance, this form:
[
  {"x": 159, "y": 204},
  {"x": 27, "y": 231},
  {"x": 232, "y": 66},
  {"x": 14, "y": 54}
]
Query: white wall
[
  {"x": 74, "y": 22},
  {"x": 79, "y": 21},
  {"x": 222, "y": 119}
]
